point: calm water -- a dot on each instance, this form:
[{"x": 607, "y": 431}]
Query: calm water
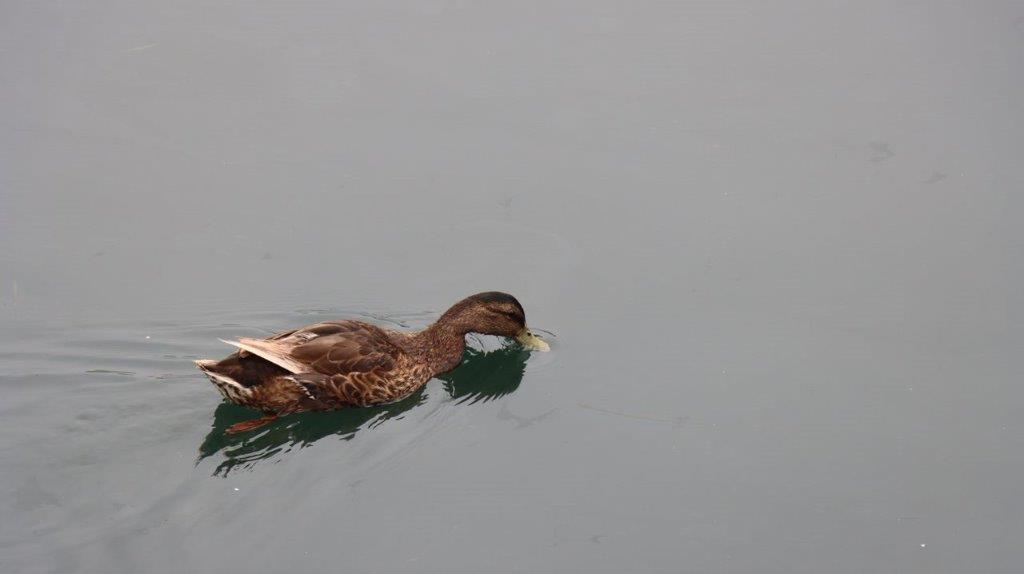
[{"x": 778, "y": 244}]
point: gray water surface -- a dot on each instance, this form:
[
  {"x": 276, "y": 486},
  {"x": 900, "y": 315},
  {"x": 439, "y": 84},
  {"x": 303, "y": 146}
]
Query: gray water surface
[{"x": 778, "y": 245}]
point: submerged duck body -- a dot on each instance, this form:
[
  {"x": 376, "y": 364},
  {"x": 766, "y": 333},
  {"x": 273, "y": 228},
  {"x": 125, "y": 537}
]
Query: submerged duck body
[{"x": 339, "y": 364}]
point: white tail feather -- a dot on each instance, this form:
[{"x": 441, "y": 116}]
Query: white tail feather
[{"x": 229, "y": 388}]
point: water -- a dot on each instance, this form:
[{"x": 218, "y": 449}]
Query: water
[{"x": 778, "y": 245}]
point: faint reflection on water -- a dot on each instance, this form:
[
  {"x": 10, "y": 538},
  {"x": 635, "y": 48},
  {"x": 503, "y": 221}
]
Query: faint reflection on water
[{"x": 481, "y": 377}]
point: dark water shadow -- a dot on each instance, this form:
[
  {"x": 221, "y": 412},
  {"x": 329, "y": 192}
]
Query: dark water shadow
[
  {"x": 485, "y": 376},
  {"x": 481, "y": 377}
]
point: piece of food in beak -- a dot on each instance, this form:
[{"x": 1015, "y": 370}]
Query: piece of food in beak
[{"x": 531, "y": 341}]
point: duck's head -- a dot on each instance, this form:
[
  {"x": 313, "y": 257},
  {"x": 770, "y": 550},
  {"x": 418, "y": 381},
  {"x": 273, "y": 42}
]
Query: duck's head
[{"x": 493, "y": 313}]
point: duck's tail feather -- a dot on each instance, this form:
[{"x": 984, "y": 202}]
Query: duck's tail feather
[{"x": 231, "y": 389}]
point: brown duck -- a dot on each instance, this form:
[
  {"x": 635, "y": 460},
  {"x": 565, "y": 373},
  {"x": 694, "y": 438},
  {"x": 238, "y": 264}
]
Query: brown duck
[{"x": 338, "y": 364}]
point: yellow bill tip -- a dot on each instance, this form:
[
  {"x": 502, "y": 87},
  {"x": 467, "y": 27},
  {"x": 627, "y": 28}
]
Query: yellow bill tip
[{"x": 531, "y": 341}]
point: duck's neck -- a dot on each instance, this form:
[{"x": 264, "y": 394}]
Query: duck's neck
[{"x": 440, "y": 345}]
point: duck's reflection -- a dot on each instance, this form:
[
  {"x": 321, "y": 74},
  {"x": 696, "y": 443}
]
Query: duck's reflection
[{"x": 482, "y": 376}]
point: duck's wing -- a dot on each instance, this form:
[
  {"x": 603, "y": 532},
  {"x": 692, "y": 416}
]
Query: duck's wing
[{"x": 330, "y": 348}]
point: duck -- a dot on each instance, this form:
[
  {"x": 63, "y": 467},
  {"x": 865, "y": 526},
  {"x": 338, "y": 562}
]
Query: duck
[{"x": 344, "y": 364}]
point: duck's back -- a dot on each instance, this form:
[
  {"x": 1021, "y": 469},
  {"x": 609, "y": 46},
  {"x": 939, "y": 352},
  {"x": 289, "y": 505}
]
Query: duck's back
[
  {"x": 340, "y": 347},
  {"x": 329, "y": 348}
]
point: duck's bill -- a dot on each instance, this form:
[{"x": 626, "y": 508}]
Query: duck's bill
[{"x": 531, "y": 341}]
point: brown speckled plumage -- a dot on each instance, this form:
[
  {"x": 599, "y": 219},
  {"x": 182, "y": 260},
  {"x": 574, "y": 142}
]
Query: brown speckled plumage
[{"x": 338, "y": 364}]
